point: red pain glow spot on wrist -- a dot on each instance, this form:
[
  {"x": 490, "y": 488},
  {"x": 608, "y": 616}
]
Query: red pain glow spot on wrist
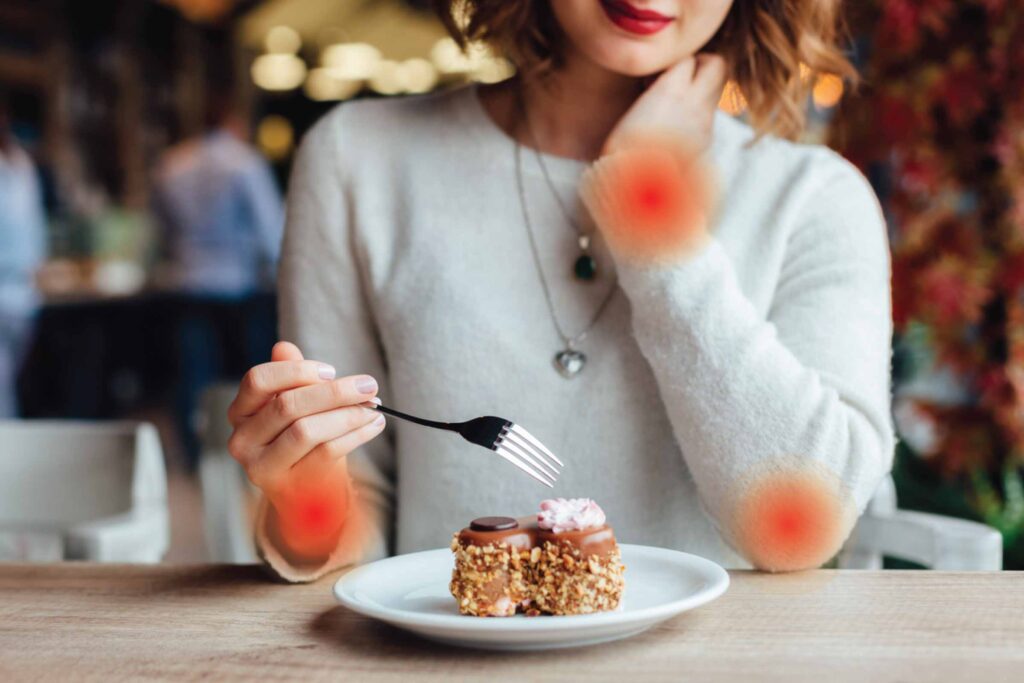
[
  {"x": 794, "y": 520},
  {"x": 651, "y": 199},
  {"x": 317, "y": 514},
  {"x": 312, "y": 513}
]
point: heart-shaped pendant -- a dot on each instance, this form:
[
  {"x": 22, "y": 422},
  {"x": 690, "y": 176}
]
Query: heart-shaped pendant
[{"x": 569, "y": 362}]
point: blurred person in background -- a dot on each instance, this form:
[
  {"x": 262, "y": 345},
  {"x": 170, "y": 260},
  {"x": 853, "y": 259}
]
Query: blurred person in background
[
  {"x": 220, "y": 210},
  {"x": 22, "y": 250},
  {"x": 220, "y": 215}
]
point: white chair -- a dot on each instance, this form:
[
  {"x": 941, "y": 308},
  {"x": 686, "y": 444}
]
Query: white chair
[
  {"x": 226, "y": 490},
  {"x": 934, "y": 541},
  {"x": 82, "y": 491}
]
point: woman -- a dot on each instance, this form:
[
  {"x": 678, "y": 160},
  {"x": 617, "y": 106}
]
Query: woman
[{"x": 731, "y": 400}]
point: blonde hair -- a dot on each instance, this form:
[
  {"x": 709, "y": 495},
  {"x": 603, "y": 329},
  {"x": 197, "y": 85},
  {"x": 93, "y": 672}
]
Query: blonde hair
[{"x": 775, "y": 49}]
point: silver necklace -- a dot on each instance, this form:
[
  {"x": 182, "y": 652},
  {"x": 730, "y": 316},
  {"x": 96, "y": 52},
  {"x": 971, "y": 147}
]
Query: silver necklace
[
  {"x": 569, "y": 361},
  {"x": 584, "y": 267}
]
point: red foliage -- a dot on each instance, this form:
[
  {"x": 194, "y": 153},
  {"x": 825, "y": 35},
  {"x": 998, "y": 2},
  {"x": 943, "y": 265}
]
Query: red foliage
[{"x": 943, "y": 113}]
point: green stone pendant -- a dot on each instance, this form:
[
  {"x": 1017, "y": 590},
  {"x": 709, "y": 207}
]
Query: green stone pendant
[{"x": 585, "y": 267}]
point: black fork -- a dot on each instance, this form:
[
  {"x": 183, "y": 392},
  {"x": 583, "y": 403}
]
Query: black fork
[{"x": 504, "y": 437}]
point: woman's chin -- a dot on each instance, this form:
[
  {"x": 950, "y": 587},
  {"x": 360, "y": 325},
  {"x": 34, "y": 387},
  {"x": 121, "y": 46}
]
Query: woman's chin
[{"x": 639, "y": 65}]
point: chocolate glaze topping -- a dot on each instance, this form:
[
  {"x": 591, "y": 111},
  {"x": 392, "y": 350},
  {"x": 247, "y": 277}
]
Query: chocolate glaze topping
[
  {"x": 526, "y": 535},
  {"x": 493, "y": 524}
]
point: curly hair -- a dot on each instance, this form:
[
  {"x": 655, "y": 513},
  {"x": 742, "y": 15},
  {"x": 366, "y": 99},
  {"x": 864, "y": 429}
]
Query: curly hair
[{"x": 775, "y": 49}]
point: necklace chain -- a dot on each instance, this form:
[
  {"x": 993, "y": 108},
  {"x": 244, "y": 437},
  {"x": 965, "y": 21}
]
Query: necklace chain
[
  {"x": 583, "y": 238},
  {"x": 569, "y": 341}
]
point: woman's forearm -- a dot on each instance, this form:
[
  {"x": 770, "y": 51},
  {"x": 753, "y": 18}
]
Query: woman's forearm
[
  {"x": 749, "y": 414},
  {"x": 783, "y": 419}
]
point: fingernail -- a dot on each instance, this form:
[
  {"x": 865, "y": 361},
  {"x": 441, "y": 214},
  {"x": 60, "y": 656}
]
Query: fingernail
[
  {"x": 375, "y": 399},
  {"x": 366, "y": 384},
  {"x": 326, "y": 371},
  {"x": 378, "y": 421}
]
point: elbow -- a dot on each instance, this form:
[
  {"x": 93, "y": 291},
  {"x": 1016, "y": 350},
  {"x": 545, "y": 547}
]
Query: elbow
[
  {"x": 794, "y": 513},
  {"x": 792, "y": 517}
]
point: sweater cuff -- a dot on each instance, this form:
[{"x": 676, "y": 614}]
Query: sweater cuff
[{"x": 679, "y": 286}]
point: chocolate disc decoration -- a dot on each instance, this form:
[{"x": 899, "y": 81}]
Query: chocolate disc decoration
[{"x": 493, "y": 524}]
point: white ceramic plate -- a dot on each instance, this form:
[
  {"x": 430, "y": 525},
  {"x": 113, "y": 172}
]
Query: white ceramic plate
[{"x": 411, "y": 592}]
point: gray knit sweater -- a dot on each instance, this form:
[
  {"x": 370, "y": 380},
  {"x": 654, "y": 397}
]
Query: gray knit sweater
[{"x": 406, "y": 257}]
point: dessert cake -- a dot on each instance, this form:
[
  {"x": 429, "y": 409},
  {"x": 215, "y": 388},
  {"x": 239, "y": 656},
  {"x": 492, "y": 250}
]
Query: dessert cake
[{"x": 563, "y": 561}]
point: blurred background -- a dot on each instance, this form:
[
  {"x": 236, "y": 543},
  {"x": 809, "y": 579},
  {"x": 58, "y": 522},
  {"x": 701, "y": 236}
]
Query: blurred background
[{"x": 145, "y": 148}]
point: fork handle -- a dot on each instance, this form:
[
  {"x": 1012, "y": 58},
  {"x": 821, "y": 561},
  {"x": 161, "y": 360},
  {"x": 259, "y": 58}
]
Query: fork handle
[{"x": 418, "y": 420}]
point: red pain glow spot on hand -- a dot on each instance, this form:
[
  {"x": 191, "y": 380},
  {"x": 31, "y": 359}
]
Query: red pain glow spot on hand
[
  {"x": 650, "y": 199},
  {"x": 792, "y": 520}
]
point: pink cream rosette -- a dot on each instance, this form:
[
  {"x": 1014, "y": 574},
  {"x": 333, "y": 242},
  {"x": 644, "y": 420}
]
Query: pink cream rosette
[{"x": 569, "y": 514}]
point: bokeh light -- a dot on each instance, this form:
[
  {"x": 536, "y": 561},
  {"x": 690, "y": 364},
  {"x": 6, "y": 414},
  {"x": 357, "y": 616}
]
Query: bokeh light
[
  {"x": 278, "y": 72},
  {"x": 275, "y": 137},
  {"x": 417, "y": 75},
  {"x": 322, "y": 85},
  {"x": 828, "y": 90},
  {"x": 732, "y": 100},
  {"x": 351, "y": 61},
  {"x": 283, "y": 40},
  {"x": 493, "y": 69},
  {"x": 387, "y": 78}
]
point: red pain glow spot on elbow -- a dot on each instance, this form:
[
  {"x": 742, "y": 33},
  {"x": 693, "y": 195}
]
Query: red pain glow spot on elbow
[{"x": 791, "y": 521}]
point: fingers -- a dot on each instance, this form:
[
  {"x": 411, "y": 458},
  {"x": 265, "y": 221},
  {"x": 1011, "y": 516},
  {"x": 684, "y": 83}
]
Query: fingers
[
  {"x": 263, "y": 381},
  {"x": 679, "y": 76},
  {"x": 279, "y": 412},
  {"x": 710, "y": 76},
  {"x": 336, "y": 450},
  {"x": 307, "y": 434},
  {"x": 703, "y": 74},
  {"x": 708, "y": 62}
]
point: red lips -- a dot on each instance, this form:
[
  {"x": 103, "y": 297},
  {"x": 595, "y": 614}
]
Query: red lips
[{"x": 634, "y": 19}]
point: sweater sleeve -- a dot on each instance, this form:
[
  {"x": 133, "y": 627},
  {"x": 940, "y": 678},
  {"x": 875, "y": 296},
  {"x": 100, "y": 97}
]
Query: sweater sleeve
[
  {"x": 324, "y": 308},
  {"x": 783, "y": 420}
]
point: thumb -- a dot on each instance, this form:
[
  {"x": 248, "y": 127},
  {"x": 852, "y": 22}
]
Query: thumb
[{"x": 285, "y": 351}]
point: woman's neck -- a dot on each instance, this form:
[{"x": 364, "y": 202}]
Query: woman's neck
[{"x": 571, "y": 111}]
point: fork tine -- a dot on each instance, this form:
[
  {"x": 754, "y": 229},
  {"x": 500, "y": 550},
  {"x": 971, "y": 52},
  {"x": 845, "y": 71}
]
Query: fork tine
[
  {"x": 535, "y": 441},
  {"x": 523, "y": 451},
  {"x": 530, "y": 453},
  {"x": 508, "y": 455}
]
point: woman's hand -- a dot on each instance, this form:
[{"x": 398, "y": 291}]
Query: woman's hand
[
  {"x": 681, "y": 103},
  {"x": 650, "y": 193},
  {"x": 294, "y": 423}
]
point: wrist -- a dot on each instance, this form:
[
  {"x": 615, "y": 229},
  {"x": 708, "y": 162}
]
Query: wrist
[
  {"x": 651, "y": 197},
  {"x": 308, "y": 518}
]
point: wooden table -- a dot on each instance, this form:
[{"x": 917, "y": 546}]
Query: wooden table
[{"x": 74, "y": 621}]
